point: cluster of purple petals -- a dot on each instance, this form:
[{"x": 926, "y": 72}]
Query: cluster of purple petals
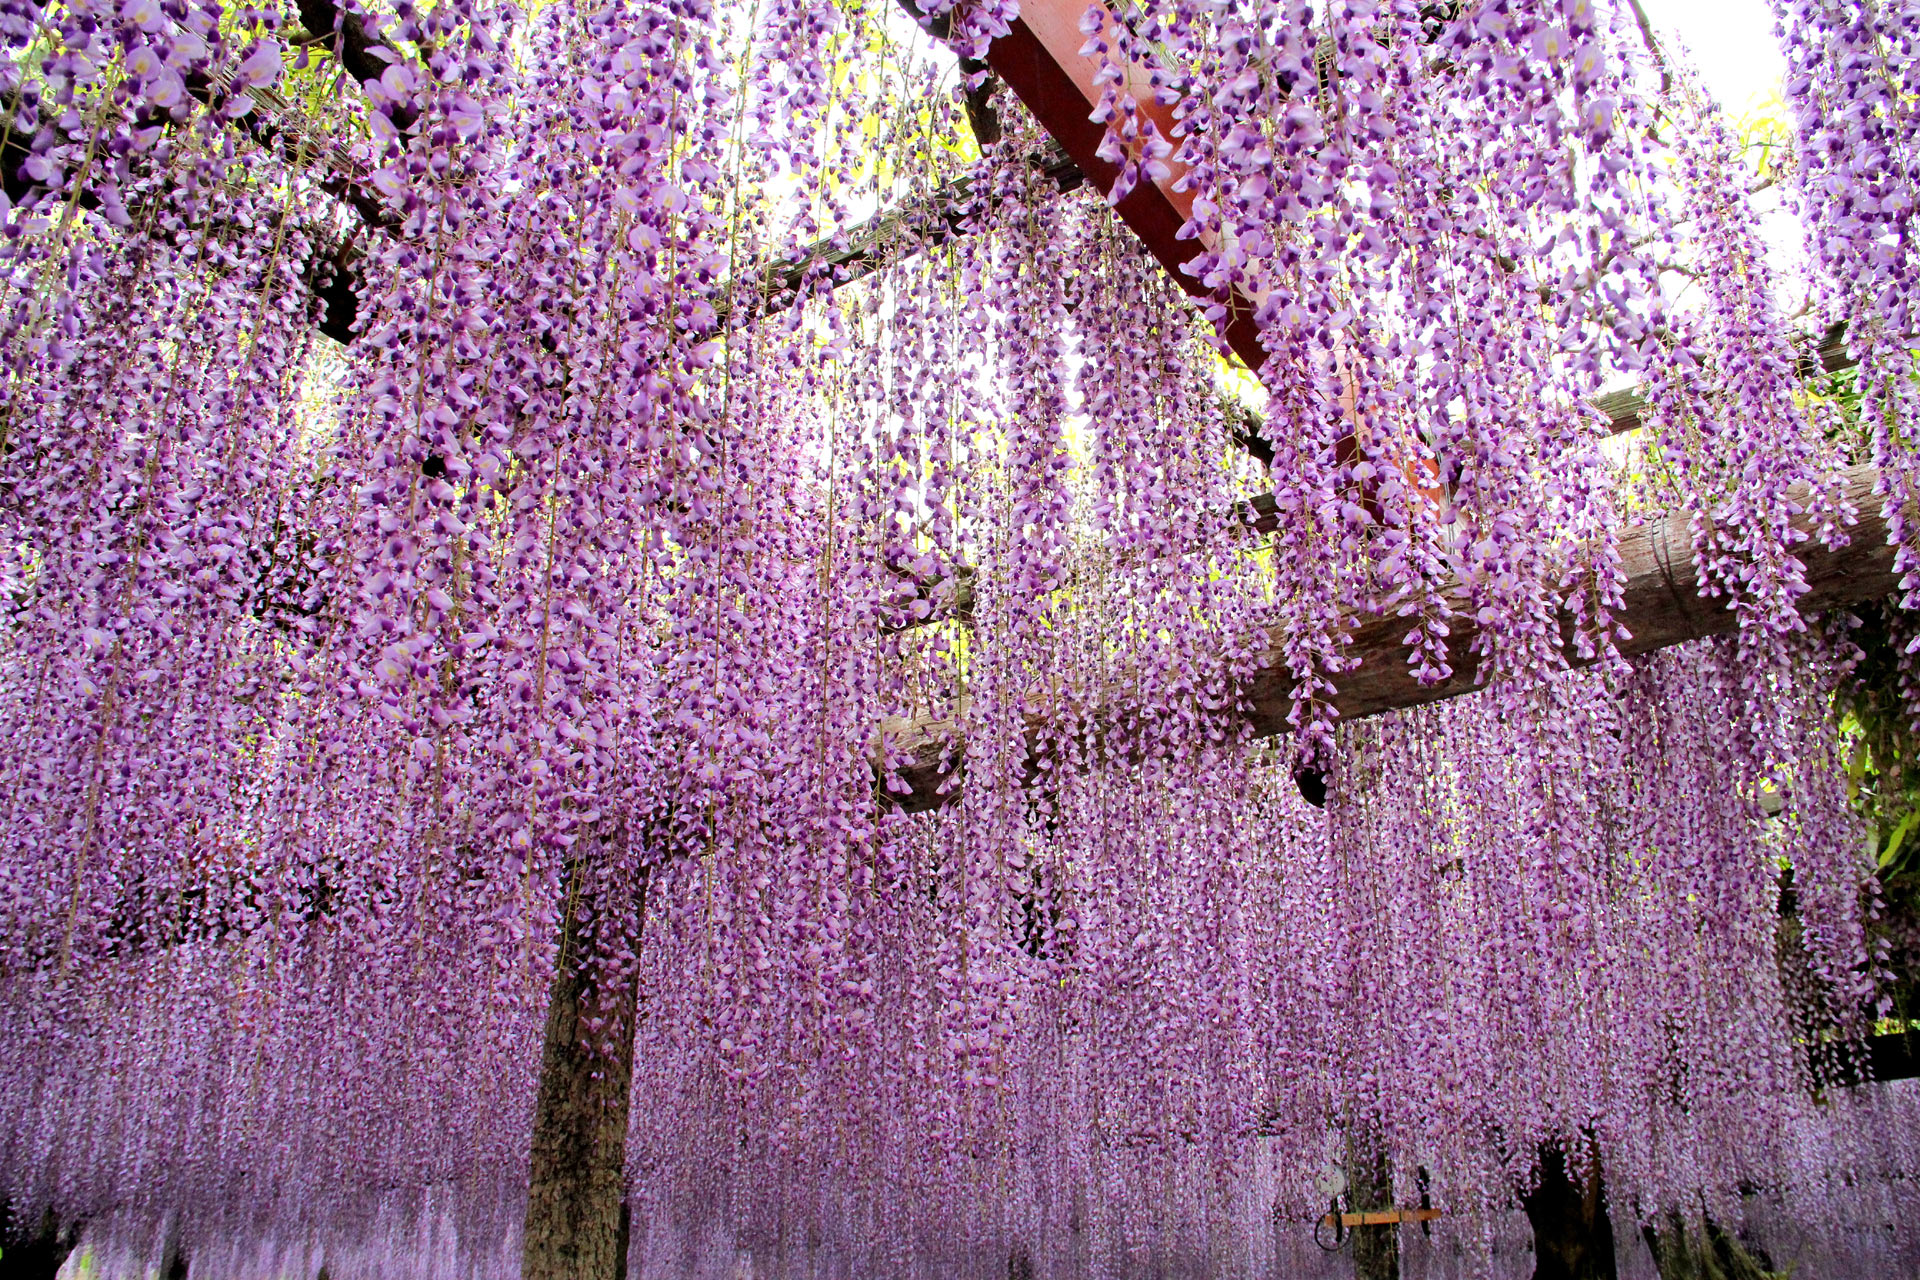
[
  {"x": 1853, "y": 72},
  {"x": 331, "y": 677}
]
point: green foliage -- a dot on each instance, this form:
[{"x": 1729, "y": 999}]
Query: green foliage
[
  {"x": 1765, "y": 134},
  {"x": 1883, "y": 765},
  {"x": 1883, "y": 770}
]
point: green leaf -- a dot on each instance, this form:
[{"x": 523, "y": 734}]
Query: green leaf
[{"x": 1899, "y": 835}]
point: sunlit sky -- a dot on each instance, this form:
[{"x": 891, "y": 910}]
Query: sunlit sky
[{"x": 1731, "y": 44}]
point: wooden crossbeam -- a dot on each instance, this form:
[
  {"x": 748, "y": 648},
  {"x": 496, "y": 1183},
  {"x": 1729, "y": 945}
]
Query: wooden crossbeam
[
  {"x": 1627, "y": 410},
  {"x": 891, "y": 236},
  {"x": 1662, "y": 607},
  {"x": 1378, "y": 1218},
  {"x": 1039, "y": 58}
]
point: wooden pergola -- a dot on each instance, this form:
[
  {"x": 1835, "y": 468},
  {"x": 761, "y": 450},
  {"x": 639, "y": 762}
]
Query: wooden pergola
[
  {"x": 576, "y": 1225},
  {"x": 1040, "y": 59}
]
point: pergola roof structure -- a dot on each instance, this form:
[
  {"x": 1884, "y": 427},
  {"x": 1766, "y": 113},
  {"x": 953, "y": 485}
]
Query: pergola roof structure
[
  {"x": 1043, "y": 59},
  {"x": 578, "y": 1170}
]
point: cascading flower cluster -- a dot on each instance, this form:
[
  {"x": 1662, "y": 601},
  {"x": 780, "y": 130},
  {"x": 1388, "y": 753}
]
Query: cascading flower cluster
[
  {"x": 1486, "y": 950},
  {"x": 600, "y": 594},
  {"x": 1743, "y": 447},
  {"x": 1851, "y": 80}
]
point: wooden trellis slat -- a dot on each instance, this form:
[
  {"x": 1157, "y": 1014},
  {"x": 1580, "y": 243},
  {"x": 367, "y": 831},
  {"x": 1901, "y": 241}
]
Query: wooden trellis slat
[{"x": 1378, "y": 1218}]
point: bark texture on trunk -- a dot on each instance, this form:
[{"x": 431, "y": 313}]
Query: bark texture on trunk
[
  {"x": 576, "y": 1226},
  {"x": 1376, "y": 1250},
  {"x": 1703, "y": 1250},
  {"x": 1572, "y": 1234}
]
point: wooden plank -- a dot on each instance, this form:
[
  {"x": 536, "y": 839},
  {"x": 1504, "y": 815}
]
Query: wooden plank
[
  {"x": 891, "y": 236},
  {"x": 1626, "y": 410},
  {"x": 1379, "y": 1218},
  {"x": 1662, "y": 607}
]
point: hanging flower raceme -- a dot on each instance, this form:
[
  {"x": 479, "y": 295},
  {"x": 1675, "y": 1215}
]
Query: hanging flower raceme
[
  {"x": 1731, "y": 422},
  {"x": 804, "y": 662},
  {"x": 1852, "y": 71}
]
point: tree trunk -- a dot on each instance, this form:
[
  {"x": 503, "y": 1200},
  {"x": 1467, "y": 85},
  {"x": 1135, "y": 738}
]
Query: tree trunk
[
  {"x": 1702, "y": 1251},
  {"x": 1572, "y": 1234},
  {"x": 1376, "y": 1249},
  {"x": 577, "y": 1226}
]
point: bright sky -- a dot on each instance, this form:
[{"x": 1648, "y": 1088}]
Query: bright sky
[{"x": 1731, "y": 44}]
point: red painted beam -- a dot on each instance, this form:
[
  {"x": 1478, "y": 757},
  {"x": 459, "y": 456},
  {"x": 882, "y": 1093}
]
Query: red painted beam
[{"x": 1040, "y": 60}]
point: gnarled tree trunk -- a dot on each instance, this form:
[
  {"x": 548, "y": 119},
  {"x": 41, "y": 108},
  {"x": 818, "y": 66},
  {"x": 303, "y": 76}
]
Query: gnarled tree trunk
[
  {"x": 1572, "y": 1234},
  {"x": 576, "y": 1226},
  {"x": 1703, "y": 1250},
  {"x": 1376, "y": 1249}
]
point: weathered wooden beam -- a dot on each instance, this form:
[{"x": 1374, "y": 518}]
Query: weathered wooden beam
[
  {"x": 1662, "y": 606},
  {"x": 1039, "y": 58},
  {"x": 890, "y": 236},
  {"x": 1626, "y": 410}
]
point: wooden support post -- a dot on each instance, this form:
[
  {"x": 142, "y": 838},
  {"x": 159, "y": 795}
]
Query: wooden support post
[{"x": 576, "y": 1225}]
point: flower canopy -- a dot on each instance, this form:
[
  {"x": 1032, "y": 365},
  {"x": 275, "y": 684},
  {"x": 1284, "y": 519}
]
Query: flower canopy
[{"x": 709, "y": 498}]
